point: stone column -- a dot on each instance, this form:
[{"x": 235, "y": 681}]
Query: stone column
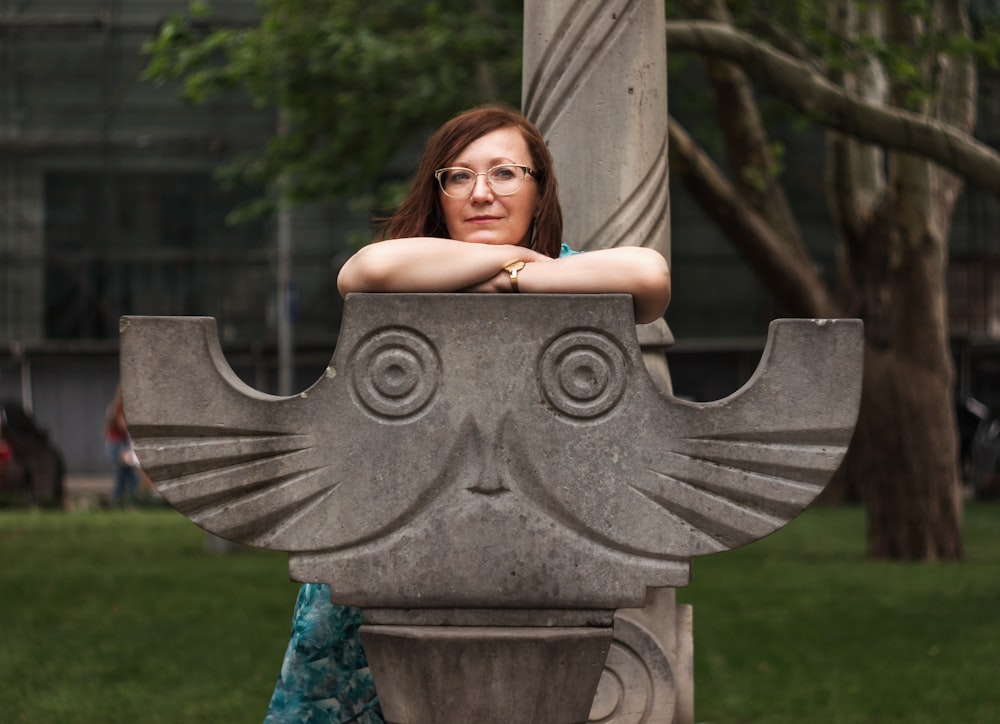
[{"x": 595, "y": 83}]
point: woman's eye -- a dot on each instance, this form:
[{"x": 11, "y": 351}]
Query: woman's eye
[
  {"x": 459, "y": 177},
  {"x": 503, "y": 173}
]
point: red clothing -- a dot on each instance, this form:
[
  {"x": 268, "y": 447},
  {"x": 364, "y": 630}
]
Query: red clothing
[{"x": 115, "y": 429}]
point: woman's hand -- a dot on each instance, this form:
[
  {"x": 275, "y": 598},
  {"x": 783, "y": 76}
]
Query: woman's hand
[
  {"x": 634, "y": 270},
  {"x": 496, "y": 284}
]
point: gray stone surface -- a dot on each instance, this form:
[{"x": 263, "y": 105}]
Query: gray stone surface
[
  {"x": 649, "y": 674},
  {"x": 467, "y": 451},
  {"x": 485, "y": 675},
  {"x": 594, "y": 80}
]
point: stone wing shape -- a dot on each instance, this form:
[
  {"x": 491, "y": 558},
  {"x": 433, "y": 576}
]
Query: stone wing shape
[
  {"x": 272, "y": 472},
  {"x": 661, "y": 477}
]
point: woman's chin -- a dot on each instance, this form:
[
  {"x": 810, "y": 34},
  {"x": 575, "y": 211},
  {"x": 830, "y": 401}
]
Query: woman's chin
[{"x": 491, "y": 236}]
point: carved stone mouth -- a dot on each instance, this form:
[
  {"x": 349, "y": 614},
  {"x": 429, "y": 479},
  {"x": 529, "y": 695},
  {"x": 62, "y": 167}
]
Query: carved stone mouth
[{"x": 487, "y": 490}]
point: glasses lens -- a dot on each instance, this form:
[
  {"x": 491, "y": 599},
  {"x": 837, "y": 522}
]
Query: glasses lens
[
  {"x": 506, "y": 179},
  {"x": 456, "y": 181}
]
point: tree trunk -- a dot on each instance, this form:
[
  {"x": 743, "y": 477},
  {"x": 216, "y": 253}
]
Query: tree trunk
[
  {"x": 893, "y": 215},
  {"x": 894, "y": 218},
  {"x": 906, "y": 451},
  {"x": 903, "y": 456}
]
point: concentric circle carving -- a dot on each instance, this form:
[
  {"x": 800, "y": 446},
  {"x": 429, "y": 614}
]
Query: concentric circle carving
[
  {"x": 396, "y": 372},
  {"x": 637, "y": 685},
  {"x": 583, "y": 373}
]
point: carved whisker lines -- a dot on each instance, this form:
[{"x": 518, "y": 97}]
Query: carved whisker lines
[
  {"x": 148, "y": 432},
  {"x": 224, "y": 479},
  {"x": 755, "y": 482},
  {"x": 802, "y": 466},
  {"x": 274, "y": 508},
  {"x": 764, "y": 491},
  {"x": 832, "y": 438},
  {"x": 174, "y": 457},
  {"x": 719, "y": 517},
  {"x": 586, "y": 32},
  {"x": 642, "y": 213}
]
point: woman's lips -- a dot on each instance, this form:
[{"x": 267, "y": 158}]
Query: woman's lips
[{"x": 482, "y": 219}]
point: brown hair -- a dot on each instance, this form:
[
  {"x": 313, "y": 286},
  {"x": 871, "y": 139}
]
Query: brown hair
[{"x": 421, "y": 214}]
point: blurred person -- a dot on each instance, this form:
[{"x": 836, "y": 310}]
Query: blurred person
[{"x": 118, "y": 445}]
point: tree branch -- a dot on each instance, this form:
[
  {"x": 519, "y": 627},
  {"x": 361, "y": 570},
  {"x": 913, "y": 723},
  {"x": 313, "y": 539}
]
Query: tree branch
[
  {"x": 822, "y": 101},
  {"x": 794, "y": 280}
]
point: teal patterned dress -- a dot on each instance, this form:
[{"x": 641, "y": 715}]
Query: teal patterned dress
[{"x": 325, "y": 677}]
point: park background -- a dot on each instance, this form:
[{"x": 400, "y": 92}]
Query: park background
[{"x": 111, "y": 206}]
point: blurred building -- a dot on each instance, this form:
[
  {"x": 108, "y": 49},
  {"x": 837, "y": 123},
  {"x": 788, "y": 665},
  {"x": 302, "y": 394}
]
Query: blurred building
[{"x": 109, "y": 205}]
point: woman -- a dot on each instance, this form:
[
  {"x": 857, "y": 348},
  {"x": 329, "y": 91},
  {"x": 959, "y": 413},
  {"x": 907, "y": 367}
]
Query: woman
[
  {"x": 483, "y": 216},
  {"x": 457, "y": 231}
]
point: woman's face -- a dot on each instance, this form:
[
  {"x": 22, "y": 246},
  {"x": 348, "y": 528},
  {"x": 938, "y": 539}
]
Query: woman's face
[{"x": 485, "y": 217}]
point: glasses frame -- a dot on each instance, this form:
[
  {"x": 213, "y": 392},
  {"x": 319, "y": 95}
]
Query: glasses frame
[{"x": 528, "y": 171}]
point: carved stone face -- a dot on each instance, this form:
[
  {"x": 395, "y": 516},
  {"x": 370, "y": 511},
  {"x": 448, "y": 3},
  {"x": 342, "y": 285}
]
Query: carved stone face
[
  {"x": 485, "y": 217},
  {"x": 478, "y": 450}
]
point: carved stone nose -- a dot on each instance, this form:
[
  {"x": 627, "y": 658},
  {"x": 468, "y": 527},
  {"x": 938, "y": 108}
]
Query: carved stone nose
[{"x": 488, "y": 457}]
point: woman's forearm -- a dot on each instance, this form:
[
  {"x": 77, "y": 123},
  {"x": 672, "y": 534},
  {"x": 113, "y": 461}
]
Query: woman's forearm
[
  {"x": 426, "y": 264},
  {"x": 641, "y": 272}
]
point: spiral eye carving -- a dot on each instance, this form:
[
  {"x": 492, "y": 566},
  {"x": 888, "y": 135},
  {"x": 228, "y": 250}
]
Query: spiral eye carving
[
  {"x": 583, "y": 374},
  {"x": 396, "y": 372}
]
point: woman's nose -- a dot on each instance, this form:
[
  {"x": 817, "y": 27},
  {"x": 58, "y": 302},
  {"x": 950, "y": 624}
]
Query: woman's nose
[{"x": 481, "y": 190}]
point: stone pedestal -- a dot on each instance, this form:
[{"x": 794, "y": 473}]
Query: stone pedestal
[{"x": 486, "y": 674}]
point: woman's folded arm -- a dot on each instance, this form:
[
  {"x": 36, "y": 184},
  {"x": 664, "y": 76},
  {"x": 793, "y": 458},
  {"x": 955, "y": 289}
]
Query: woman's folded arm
[{"x": 431, "y": 264}]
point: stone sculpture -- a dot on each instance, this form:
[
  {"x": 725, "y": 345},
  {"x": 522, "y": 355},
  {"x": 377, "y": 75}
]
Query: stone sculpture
[{"x": 489, "y": 478}]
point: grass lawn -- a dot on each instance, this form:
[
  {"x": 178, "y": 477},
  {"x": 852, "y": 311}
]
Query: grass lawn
[
  {"x": 800, "y": 627},
  {"x": 124, "y": 617}
]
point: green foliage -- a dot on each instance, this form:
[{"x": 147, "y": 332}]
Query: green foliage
[
  {"x": 759, "y": 178},
  {"x": 803, "y": 28},
  {"x": 351, "y": 82}
]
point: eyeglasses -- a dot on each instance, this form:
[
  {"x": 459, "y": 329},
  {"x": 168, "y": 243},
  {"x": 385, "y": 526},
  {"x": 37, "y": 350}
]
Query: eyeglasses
[{"x": 505, "y": 179}]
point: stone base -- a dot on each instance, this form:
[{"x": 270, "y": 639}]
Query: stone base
[{"x": 487, "y": 675}]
